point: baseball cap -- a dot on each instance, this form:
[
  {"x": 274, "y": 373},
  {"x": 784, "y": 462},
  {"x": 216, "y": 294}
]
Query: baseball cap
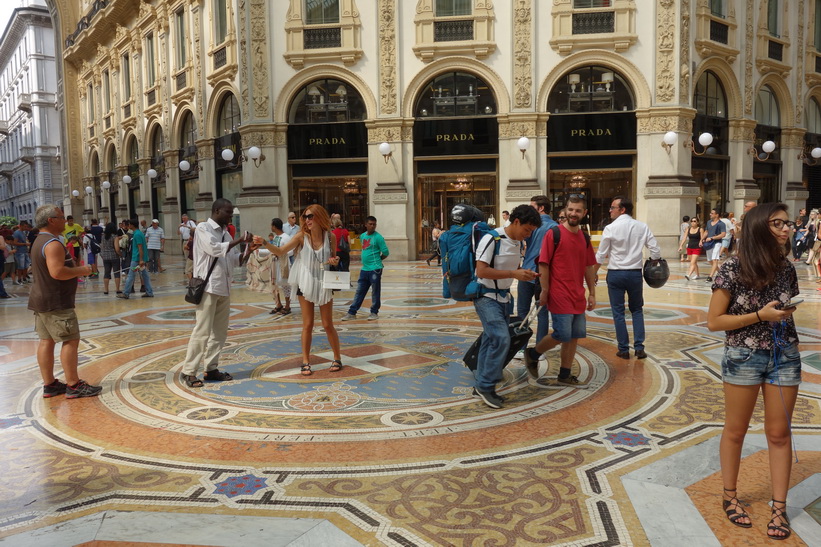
[{"x": 155, "y": 221}]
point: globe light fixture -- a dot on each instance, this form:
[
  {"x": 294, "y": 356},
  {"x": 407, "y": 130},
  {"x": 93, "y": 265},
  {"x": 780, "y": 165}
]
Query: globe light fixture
[
  {"x": 705, "y": 140},
  {"x": 670, "y": 138},
  {"x": 227, "y": 154},
  {"x": 523, "y": 144},
  {"x": 385, "y": 150},
  {"x": 126, "y": 179},
  {"x": 152, "y": 173}
]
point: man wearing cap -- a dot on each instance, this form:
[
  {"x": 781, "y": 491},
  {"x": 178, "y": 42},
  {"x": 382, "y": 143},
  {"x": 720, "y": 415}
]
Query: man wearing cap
[{"x": 155, "y": 242}]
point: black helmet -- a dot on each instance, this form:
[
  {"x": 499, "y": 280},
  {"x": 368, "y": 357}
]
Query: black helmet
[
  {"x": 465, "y": 212},
  {"x": 656, "y": 272}
]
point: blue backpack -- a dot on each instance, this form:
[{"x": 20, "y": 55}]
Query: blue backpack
[{"x": 458, "y": 249}]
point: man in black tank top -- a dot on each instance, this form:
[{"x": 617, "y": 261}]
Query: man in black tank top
[{"x": 52, "y": 301}]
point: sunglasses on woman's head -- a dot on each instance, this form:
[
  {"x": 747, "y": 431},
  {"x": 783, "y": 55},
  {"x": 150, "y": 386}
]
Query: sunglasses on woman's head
[{"x": 309, "y": 216}]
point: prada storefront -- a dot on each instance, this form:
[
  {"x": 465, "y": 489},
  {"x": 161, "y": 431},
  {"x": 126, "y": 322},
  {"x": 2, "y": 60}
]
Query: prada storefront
[
  {"x": 456, "y": 151},
  {"x": 591, "y": 141},
  {"x": 328, "y": 151}
]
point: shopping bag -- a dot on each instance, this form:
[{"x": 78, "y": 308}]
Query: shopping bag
[{"x": 336, "y": 280}]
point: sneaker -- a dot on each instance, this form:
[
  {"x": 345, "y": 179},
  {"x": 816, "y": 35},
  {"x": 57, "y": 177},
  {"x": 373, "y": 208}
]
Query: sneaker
[
  {"x": 54, "y": 389},
  {"x": 491, "y": 398},
  {"x": 519, "y": 354},
  {"x": 123, "y": 296},
  {"x": 348, "y": 317},
  {"x": 373, "y": 317},
  {"x": 571, "y": 381},
  {"x": 708, "y": 280},
  {"x": 532, "y": 365},
  {"x": 476, "y": 395},
  {"x": 687, "y": 277},
  {"x": 82, "y": 389},
  {"x": 146, "y": 295}
]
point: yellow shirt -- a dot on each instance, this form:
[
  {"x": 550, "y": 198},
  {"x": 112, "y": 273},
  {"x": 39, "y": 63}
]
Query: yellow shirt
[{"x": 75, "y": 230}]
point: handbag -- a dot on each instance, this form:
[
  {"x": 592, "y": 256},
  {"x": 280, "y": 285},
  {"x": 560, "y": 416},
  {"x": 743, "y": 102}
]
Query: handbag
[
  {"x": 196, "y": 286},
  {"x": 332, "y": 280}
]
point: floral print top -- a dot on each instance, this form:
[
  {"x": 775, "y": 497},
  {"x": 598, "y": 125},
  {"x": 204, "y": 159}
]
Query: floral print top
[{"x": 744, "y": 299}]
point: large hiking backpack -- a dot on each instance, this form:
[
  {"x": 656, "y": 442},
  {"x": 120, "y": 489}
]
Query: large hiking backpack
[{"x": 458, "y": 249}]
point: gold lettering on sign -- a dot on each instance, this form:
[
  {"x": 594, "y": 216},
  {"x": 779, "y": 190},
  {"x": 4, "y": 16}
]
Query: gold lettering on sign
[
  {"x": 326, "y": 140},
  {"x": 455, "y": 137},
  {"x": 590, "y": 132}
]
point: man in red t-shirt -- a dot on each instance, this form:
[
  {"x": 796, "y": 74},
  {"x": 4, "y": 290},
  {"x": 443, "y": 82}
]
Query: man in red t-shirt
[{"x": 563, "y": 270}]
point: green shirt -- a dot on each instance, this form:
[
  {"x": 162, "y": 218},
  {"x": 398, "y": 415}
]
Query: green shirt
[{"x": 374, "y": 249}]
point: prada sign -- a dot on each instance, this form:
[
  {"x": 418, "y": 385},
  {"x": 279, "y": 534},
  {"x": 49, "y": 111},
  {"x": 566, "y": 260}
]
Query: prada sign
[
  {"x": 327, "y": 141},
  {"x": 591, "y": 132},
  {"x": 456, "y": 137}
]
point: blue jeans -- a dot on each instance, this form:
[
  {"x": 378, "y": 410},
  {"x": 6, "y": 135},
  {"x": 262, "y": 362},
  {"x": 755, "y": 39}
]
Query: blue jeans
[
  {"x": 368, "y": 280},
  {"x": 630, "y": 282},
  {"x": 495, "y": 342},
  {"x": 527, "y": 295},
  {"x": 129, "y": 283}
]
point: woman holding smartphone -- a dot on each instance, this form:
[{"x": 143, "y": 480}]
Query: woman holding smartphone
[
  {"x": 750, "y": 294},
  {"x": 314, "y": 247}
]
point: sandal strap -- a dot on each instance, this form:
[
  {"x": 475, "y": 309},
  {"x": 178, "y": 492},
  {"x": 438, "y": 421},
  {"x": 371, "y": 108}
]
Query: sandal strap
[{"x": 306, "y": 366}]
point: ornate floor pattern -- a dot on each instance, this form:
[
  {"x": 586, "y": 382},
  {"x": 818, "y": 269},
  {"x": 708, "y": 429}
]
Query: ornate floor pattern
[{"x": 393, "y": 449}]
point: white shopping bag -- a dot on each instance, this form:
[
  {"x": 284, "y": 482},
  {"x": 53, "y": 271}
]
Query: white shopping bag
[{"x": 336, "y": 280}]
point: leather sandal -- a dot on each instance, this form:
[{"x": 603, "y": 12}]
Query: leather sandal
[
  {"x": 275, "y": 310},
  {"x": 306, "y": 369},
  {"x": 732, "y": 506},
  {"x": 336, "y": 366},
  {"x": 779, "y": 513},
  {"x": 285, "y": 311},
  {"x": 217, "y": 376},
  {"x": 191, "y": 380}
]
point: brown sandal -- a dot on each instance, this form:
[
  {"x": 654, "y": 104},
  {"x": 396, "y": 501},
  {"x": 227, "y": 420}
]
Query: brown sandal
[
  {"x": 306, "y": 369},
  {"x": 336, "y": 366}
]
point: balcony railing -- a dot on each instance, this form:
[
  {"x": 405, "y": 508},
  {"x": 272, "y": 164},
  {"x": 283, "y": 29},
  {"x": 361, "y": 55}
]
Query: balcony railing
[
  {"x": 220, "y": 58},
  {"x": 775, "y": 51},
  {"x": 27, "y": 154},
  {"x": 127, "y": 111},
  {"x": 181, "y": 79},
  {"x": 6, "y": 169},
  {"x": 452, "y": 31},
  {"x": 107, "y": 122},
  {"x": 596, "y": 22},
  {"x": 151, "y": 97},
  {"x": 4, "y": 127},
  {"x": 90, "y": 130},
  {"x": 719, "y": 32},
  {"x": 24, "y": 103},
  {"x": 318, "y": 38}
]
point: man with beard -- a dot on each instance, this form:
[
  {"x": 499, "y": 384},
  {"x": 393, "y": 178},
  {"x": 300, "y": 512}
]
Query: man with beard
[{"x": 562, "y": 270}]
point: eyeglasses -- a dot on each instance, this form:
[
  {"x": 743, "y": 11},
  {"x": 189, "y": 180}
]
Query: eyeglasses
[
  {"x": 779, "y": 224},
  {"x": 562, "y": 218},
  {"x": 693, "y": 222},
  {"x": 309, "y": 216}
]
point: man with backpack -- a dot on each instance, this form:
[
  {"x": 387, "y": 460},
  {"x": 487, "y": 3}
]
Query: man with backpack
[
  {"x": 498, "y": 254},
  {"x": 565, "y": 263}
]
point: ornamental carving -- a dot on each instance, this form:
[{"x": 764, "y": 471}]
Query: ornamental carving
[
  {"x": 516, "y": 129},
  {"x": 384, "y": 134},
  {"x": 243, "y": 61},
  {"x": 522, "y": 54},
  {"x": 198, "y": 69},
  {"x": 665, "y": 66},
  {"x": 799, "y": 84},
  {"x": 259, "y": 59},
  {"x": 684, "y": 54},
  {"x": 662, "y": 124},
  {"x": 387, "y": 56},
  {"x": 748, "y": 63}
]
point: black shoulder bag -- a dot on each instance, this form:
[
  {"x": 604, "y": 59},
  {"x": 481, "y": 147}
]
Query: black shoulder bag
[{"x": 196, "y": 286}]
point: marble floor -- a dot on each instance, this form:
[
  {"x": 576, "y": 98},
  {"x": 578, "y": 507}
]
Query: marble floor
[{"x": 393, "y": 450}]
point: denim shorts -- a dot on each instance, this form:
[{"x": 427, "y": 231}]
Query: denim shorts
[
  {"x": 569, "y": 325},
  {"x": 747, "y": 367}
]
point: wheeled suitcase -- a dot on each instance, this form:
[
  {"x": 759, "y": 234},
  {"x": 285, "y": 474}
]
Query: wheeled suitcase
[{"x": 520, "y": 333}]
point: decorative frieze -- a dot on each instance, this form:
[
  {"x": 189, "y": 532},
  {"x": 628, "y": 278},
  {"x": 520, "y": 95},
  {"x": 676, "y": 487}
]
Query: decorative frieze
[
  {"x": 522, "y": 54},
  {"x": 387, "y": 56}
]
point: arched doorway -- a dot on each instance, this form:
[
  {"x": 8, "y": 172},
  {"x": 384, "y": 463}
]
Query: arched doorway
[
  {"x": 767, "y": 167},
  {"x": 190, "y": 178},
  {"x": 709, "y": 165},
  {"x": 228, "y": 171},
  {"x": 811, "y": 172}
]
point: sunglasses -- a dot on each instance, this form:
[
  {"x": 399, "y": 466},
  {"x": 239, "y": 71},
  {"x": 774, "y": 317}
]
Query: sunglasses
[
  {"x": 562, "y": 218},
  {"x": 309, "y": 216}
]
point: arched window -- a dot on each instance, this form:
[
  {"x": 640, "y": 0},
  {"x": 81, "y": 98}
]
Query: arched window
[
  {"x": 455, "y": 94},
  {"x": 327, "y": 101},
  {"x": 590, "y": 89},
  {"x": 766, "y": 107},
  {"x": 229, "y": 116},
  {"x": 94, "y": 166},
  {"x": 188, "y": 134},
  {"x": 709, "y": 97},
  {"x": 132, "y": 151},
  {"x": 814, "y": 116},
  {"x": 111, "y": 159},
  {"x": 157, "y": 144}
]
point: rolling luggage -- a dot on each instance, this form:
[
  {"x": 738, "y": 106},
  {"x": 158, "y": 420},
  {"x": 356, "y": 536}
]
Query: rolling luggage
[{"x": 520, "y": 333}]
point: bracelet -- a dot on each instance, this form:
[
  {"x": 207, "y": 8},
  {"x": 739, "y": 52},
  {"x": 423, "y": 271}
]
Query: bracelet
[{"x": 759, "y": 317}]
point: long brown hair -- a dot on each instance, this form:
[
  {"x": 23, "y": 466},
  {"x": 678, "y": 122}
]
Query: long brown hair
[
  {"x": 321, "y": 218},
  {"x": 760, "y": 256}
]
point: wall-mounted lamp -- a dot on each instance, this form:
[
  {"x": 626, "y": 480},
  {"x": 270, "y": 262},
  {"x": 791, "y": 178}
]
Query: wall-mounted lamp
[
  {"x": 705, "y": 140},
  {"x": 75, "y": 193},
  {"x": 385, "y": 150},
  {"x": 89, "y": 190},
  {"x": 815, "y": 153},
  {"x": 253, "y": 153},
  {"x": 670, "y": 138},
  {"x": 523, "y": 144},
  {"x": 152, "y": 174},
  {"x": 185, "y": 166},
  {"x": 106, "y": 185},
  {"x": 767, "y": 148}
]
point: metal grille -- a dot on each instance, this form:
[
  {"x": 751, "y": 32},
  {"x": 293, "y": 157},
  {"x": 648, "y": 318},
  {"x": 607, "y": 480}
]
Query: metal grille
[
  {"x": 151, "y": 97},
  {"x": 452, "y": 31},
  {"x": 775, "y": 51},
  {"x": 181, "y": 80},
  {"x": 317, "y": 38},
  {"x": 91, "y": 131},
  {"x": 107, "y": 122},
  {"x": 127, "y": 111},
  {"x": 594, "y": 23},
  {"x": 220, "y": 58},
  {"x": 719, "y": 32}
]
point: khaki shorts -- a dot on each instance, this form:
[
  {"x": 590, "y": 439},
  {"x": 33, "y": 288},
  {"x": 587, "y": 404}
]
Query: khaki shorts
[
  {"x": 189, "y": 266},
  {"x": 60, "y": 326},
  {"x": 816, "y": 245}
]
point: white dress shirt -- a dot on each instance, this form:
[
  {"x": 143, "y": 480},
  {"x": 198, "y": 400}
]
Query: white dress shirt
[
  {"x": 211, "y": 241},
  {"x": 623, "y": 241}
]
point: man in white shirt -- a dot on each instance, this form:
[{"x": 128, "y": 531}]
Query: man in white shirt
[
  {"x": 496, "y": 272},
  {"x": 212, "y": 245},
  {"x": 623, "y": 241},
  {"x": 185, "y": 231},
  {"x": 728, "y": 234},
  {"x": 292, "y": 227},
  {"x": 155, "y": 243}
]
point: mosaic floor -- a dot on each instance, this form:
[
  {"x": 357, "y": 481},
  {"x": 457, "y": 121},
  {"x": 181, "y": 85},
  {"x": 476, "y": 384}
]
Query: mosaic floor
[{"x": 392, "y": 450}]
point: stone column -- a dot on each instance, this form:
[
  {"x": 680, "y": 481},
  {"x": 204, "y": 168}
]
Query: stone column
[
  {"x": 144, "y": 207},
  {"x": 742, "y": 186},
  {"x": 207, "y": 180},
  {"x": 793, "y": 192},
  {"x": 171, "y": 206},
  {"x": 517, "y": 171},
  {"x": 391, "y": 203},
  {"x": 261, "y": 197},
  {"x": 88, "y": 200},
  {"x": 122, "y": 192}
]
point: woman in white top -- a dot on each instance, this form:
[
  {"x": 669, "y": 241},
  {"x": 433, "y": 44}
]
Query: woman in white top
[{"x": 314, "y": 247}]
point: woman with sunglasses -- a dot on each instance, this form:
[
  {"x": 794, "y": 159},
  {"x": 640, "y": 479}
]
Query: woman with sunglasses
[
  {"x": 750, "y": 296},
  {"x": 693, "y": 237},
  {"x": 314, "y": 247}
]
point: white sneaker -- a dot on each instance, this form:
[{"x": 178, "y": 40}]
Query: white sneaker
[
  {"x": 348, "y": 317},
  {"x": 373, "y": 317},
  {"x": 519, "y": 354}
]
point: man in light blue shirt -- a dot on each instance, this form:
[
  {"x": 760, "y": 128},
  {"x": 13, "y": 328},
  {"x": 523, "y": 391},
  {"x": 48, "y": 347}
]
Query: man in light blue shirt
[{"x": 374, "y": 251}]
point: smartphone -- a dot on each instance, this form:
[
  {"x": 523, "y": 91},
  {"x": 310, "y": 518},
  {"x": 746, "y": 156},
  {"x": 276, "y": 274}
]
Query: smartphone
[{"x": 793, "y": 303}]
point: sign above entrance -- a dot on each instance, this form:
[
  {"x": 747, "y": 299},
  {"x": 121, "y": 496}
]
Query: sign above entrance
[
  {"x": 591, "y": 132},
  {"x": 456, "y": 137},
  {"x": 327, "y": 141}
]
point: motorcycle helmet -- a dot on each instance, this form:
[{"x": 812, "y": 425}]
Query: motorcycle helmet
[
  {"x": 656, "y": 272},
  {"x": 465, "y": 212}
]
